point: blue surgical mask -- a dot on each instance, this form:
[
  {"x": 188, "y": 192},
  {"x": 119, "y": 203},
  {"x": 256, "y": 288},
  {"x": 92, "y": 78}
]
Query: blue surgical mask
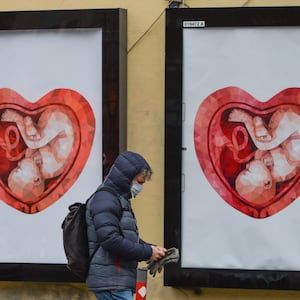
[{"x": 135, "y": 188}]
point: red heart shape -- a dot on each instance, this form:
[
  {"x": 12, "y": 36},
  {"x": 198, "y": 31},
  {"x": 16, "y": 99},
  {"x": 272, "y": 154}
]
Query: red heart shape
[
  {"x": 248, "y": 150},
  {"x": 43, "y": 146}
]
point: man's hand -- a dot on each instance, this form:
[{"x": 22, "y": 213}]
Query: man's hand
[
  {"x": 154, "y": 267},
  {"x": 157, "y": 252}
]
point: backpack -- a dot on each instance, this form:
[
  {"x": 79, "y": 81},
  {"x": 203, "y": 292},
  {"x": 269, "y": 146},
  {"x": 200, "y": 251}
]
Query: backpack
[{"x": 75, "y": 240}]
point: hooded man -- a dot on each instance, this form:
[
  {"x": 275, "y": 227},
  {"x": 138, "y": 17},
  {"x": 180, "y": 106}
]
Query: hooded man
[{"x": 114, "y": 242}]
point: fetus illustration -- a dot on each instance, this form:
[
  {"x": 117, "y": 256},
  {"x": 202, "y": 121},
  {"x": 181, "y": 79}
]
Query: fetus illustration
[
  {"x": 277, "y": 158},
  {"x": 49, "y": 144},
  {"x": 249, "y": 149},
  {"x": 44, "y": 145}
]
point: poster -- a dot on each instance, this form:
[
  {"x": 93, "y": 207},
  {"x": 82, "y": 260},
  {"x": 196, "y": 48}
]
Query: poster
[
  {"x": 59, "y": 121},
  {"x": 230, "y": 229}
]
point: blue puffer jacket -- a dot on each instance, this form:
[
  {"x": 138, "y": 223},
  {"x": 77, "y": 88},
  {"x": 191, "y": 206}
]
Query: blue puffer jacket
[{"x": 111, "y": 223}]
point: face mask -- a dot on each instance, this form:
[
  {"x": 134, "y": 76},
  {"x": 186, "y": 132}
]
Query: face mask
[{"x": 135, "y": 188}]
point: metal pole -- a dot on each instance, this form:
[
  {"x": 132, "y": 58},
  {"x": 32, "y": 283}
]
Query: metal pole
[{"x": 141, "y": 284}]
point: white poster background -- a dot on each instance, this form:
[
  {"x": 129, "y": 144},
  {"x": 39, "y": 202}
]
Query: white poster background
[
  {"x": 34, "y": 63},
  {"x": 262, "y": 61}
]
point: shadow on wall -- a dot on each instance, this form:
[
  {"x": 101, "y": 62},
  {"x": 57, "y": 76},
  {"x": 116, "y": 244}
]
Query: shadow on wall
[{"x": 44, "y": 291}]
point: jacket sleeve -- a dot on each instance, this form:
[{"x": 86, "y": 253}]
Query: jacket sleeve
[
  {"x": 141, "y": 241},
  {"x": 106, "y": 213}
]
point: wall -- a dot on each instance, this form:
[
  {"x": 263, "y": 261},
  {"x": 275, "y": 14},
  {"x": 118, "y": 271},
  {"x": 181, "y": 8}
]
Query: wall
[{"x": 146, "y": 37}]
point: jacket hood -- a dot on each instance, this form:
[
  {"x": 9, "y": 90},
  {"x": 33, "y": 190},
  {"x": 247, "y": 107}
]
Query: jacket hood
[{"x": 125, "y": 168}]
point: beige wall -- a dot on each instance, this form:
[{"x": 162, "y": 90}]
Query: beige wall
[{"x": 146, "y": 38}]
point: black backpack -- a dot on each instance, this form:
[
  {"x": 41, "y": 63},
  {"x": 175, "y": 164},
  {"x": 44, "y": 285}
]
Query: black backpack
[{"x": 75, "y": 238}]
